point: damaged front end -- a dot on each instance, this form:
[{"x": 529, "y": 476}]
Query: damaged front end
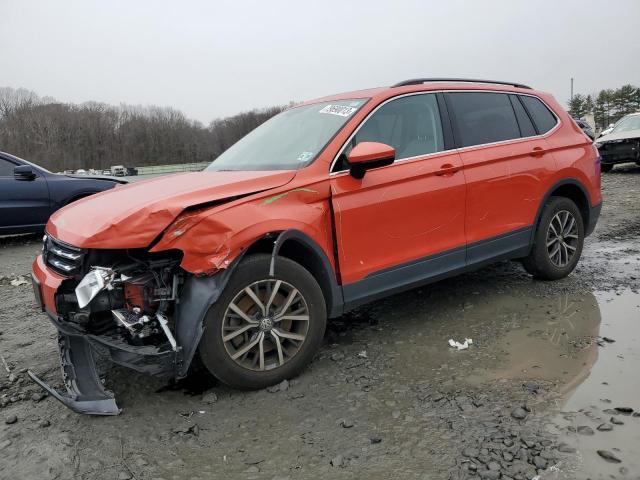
[{"x": 132, "y": 307}]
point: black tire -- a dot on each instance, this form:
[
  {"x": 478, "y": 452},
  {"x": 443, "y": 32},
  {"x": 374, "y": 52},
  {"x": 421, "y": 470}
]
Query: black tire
[
  {"x": 606, "y": 167},
  {"x": 539, "y": 262},
  {"x": 214, "y": 354}
]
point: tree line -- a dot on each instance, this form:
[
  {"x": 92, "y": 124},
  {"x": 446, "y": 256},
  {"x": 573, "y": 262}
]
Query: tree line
[
  {"x": 66, "y": 136},
  {"x": 608, "y": 106}
]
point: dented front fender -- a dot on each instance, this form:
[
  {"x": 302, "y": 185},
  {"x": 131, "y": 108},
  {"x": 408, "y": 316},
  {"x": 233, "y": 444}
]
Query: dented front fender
[{"x": 211, "y": 239}]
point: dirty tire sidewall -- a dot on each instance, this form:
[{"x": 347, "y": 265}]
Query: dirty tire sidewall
[
  {"x": 538, "y": 262},
  {"x": 212, "y": 350}
]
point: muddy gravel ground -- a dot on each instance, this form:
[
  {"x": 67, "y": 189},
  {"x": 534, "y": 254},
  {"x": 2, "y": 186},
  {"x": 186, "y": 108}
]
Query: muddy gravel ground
[{"x": 549, "y": 387}]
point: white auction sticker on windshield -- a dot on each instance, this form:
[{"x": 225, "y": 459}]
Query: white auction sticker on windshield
[{"x": 341, "y": 110}]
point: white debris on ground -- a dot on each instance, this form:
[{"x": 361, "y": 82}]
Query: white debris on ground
[{"x": 461, "y": 346}]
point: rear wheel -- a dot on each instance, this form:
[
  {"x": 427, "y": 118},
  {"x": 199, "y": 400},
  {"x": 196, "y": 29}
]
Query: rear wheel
[
  {"x": 606, "y": 167},
  {"x": 558, "y": 241},
  {"x": 263, "y": 329}
]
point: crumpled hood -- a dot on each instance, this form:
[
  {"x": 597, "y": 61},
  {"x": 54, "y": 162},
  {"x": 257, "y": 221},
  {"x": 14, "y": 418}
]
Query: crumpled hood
[
  {"x": 132, "y": 215},
  {"x": 619, "y": 136}
]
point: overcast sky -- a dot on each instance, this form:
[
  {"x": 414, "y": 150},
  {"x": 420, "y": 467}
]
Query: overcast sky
[{"x": 214, "y": 58}]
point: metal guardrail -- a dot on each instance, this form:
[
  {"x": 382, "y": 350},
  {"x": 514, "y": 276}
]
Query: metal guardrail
[{"x": 182, "y": 167}]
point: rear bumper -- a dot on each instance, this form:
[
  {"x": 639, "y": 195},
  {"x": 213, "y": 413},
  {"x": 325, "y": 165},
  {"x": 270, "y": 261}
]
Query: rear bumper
[{"x": 594, "y": 215}]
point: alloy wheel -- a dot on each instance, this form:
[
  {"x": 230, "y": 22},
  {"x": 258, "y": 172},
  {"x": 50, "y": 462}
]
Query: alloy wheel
[
  {"x": 562, "y": 238},
  {"x": 265, "y": 325}
]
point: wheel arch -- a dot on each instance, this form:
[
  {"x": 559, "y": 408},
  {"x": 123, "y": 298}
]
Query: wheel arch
[
  {"x": 575, "y": 191},
  {"x": 77, "y": 195},
  {"x": 299, "y": 247}
]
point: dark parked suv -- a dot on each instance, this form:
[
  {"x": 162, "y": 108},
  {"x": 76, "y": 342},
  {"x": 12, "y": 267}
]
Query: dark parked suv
[{"x": 29, "y": 194}]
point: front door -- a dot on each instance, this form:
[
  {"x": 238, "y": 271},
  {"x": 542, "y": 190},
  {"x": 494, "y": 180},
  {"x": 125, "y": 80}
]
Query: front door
[
  {"x": 404, "y": 222},
  {"x": 24, "y": 204}
]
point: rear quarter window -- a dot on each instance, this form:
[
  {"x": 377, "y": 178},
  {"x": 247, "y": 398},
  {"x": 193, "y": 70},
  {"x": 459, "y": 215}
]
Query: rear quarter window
[
  {"x": 483, "y": 117},
  {"x": 542, "y": 117},
  {"x": 524, "y": 121}
]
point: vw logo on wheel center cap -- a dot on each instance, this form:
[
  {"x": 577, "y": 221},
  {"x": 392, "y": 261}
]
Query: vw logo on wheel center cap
[{"x": 265, "y": 324}]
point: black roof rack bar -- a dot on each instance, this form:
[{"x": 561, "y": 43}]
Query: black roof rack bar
[{"x": 418, "y": 81}]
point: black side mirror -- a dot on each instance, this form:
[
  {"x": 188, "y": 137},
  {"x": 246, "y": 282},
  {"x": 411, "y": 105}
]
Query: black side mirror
[{"x": 24, "y": 173}]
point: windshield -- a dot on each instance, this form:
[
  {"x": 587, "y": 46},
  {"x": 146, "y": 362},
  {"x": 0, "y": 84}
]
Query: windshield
[
  {"x": 631, "y": 122},
  {"x": 290, "y": 140}
]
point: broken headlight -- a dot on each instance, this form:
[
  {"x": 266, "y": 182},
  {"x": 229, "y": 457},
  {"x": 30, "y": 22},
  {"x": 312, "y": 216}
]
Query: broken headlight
[{"x": 93, "y": 283}]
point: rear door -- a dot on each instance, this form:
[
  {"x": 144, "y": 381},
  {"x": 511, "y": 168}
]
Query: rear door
[
  {"x": 392, "y": 224},
  {"x": 505, "y": 162},
  {"x": 24, "y": 204}
]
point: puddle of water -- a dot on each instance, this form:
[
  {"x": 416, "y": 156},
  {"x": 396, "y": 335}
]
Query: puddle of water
[
  {"x": 552, "y": 339},
  {"x": 614, "y": 377},
  {"x": 515, "y": 337}
]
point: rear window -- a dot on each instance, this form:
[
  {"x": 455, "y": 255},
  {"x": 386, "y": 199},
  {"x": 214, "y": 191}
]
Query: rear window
[
  {"x": 540, "y": 114},
  {"x": 483, "y": 117}
]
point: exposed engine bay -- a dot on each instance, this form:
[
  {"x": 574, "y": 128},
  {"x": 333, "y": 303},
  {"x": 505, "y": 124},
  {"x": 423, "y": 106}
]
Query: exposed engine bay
[
  {"x": 134, "y": 299},
  {"x": 141, "y": 311}
]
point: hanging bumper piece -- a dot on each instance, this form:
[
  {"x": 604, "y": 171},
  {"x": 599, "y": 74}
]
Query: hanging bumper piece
[{"x": 85, "y": 392}]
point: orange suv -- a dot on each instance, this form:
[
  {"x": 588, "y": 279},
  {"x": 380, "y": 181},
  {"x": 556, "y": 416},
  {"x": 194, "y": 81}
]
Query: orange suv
[{"x": 328, "y": 205}]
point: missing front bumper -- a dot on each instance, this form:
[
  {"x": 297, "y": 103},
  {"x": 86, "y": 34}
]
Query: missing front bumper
[{"x": 85, "y": 392}]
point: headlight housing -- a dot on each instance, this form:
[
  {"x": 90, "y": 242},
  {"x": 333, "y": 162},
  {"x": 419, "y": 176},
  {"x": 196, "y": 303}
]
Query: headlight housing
[{"x": 93, "y": 283}]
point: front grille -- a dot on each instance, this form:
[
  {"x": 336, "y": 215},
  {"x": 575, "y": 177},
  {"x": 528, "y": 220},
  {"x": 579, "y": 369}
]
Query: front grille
[
  {"x": 620, "y": 147},
  {"x": 61, "y": 257}
]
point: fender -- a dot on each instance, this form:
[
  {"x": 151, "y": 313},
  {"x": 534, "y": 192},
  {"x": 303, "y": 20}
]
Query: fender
[
  {"x": 593, "y": 210},
  {"x": 201, "y": 292},
  {"x": 198, "y": 294}
]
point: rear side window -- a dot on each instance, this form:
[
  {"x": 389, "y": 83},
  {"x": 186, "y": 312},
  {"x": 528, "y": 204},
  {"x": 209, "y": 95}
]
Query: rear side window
[
  {"x": 524, "y": 122},
  {"x": 483, "y": 117},
  {"x": 542, "y": 117}
]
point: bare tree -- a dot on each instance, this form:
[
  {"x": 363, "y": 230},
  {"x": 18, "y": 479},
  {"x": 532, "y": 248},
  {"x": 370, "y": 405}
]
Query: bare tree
[{"x": 63, "y": 136}]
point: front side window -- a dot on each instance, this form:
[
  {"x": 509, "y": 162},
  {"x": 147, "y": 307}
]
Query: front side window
[
  {"x": 542, "y": 117},
  {"x": 6, "y": 168},
  {"x": 483, "y": 117},
  {"x": 290, "y": 140},
  {"x": 626, "y": 124},
  {"x": 409, "y": 124}
]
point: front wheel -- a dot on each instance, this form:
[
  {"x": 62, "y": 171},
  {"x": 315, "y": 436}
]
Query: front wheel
[
  {"x": 558, "y": 241},
  {"x": 263, "y": 329}
]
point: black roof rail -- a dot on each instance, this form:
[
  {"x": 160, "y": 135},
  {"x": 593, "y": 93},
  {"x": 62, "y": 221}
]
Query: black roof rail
[{"x": 418, "y": 81}]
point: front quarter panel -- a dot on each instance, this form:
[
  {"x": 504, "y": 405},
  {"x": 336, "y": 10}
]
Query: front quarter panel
[{"x": 211, "y": 239}]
